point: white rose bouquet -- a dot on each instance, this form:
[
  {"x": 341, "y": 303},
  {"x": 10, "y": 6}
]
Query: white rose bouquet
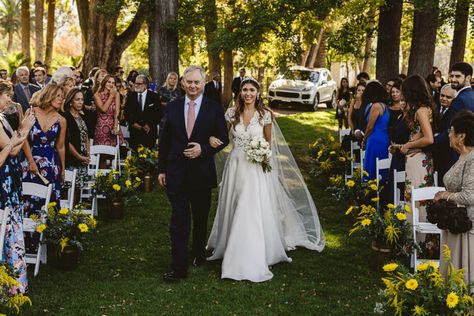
[{"x": 258, "y": 151}]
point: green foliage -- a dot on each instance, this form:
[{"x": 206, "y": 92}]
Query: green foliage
[
  {"x": 10, "y": 15},
  {"x": 13, "y": 61}
]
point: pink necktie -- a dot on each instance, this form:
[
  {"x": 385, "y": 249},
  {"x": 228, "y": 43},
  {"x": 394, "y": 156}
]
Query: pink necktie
[{"x": 191, "y": 118}]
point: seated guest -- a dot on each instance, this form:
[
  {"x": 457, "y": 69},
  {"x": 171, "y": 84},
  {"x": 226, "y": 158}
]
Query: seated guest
[
  {"x": 375, "y": 102},
  {"x": 24, "y": 89},
  {"x": 459, "y": 181},
  {"x": 77, "y": 151},
  {"x": 143, "y": 113},
  {"x": 213, "y": 89},
  {"x": 443, "y": 156}
]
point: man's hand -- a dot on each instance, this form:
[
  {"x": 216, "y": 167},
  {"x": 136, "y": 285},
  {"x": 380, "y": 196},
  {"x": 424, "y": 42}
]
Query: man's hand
[
  {"x": 162, "y": 179},
  {"x": 146, "y": 128},
  {"x": 194, "y": 151}
]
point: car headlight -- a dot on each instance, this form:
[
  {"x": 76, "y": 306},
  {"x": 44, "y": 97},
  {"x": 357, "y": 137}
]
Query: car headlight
[{"x": 307, "y": 88}]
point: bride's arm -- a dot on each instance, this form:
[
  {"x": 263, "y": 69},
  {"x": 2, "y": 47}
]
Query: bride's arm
[
  {"x": 267, "y": 133},
  {"x": 216, "y": 142}
]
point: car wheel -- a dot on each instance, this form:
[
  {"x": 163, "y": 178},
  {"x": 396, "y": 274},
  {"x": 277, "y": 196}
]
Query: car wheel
[
  {"x": 316, "y": 102},
  {"x": 332, "y": 103}
]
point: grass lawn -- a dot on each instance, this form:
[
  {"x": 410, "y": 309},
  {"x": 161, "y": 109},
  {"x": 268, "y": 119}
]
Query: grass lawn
[{"x": 120, "y": 271}]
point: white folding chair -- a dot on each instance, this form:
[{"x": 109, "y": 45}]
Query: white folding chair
[
  {"x": 381, "y": 164},
  {"x": 3, "y": 229},
  {"x": 354, "y": 146},
  {"x": 69, "y": 176},
  {"x": 398, "y": 177},
  {"x": 125, "y": 131},
  {"x": 29, "y": 226},
  {"x": 342, "y": 133},
  {"x": 435, "y": 178},
  {"x": 417, "y": 195},
  {"x": 101, "y": 150}
]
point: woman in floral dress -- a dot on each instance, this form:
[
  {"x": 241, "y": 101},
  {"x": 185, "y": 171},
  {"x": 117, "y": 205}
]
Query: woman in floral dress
[{"x": 10, "y": 193}]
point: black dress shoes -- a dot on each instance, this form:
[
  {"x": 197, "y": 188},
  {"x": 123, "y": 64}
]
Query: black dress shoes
[
  {"x": 173, "y": 276},
  {"x": 198, "y": 261}
]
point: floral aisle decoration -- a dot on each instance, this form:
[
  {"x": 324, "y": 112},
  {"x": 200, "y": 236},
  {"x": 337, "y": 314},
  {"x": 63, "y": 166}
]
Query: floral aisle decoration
[
  {"x": 388, "y": 227},
  {"x": 328, "y": 158},
  {"x": 426, "y": 292},
  {"x": 144, "y": 161},
  {"x": 10, "y": 300},
  {"x": 354, "y": 191}
]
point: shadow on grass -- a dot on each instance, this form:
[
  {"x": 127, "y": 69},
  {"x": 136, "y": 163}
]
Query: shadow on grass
[{"x": 120, "y": 270}]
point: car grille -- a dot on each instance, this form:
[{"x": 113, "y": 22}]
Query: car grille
[
  {"x": 287, "y": 94},
  {"x": 272, "y": 93}
]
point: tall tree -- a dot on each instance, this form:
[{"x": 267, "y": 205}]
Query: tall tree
[
  {"x": 423, "y": 41},
  {"x": 163, "y": 39},
  {"x": 210, "y": 26},
  {"x": 321, "y": 55},
  {"x": 98, "y": 22},
  {"x": 9, "y": 19},
  {"x": 388, "y": 40},
  {"x": 50, "y": 32},
  {"x": 25, "y": 30},
  {"x": 39, "y": 38},
  {"x": 460, "y": 31}
]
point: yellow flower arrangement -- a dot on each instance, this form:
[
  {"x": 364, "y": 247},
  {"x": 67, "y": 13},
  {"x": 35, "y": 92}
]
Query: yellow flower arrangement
[
  {"x": 145, "y": 161},
  {"x": 11, "y": 301},
  {"x": 83, "y": 228},
  {"x": 63, "y": 211},
  {"x": 350, "y": 183},
  {"x": 411, "y": 284},
  {"x": 452, "y": 300},
  {"x": 128, "y": 183},
  {"x": 401, "y": 216},
  {"x": 41, "y": 228},
  {"x": 365, "y": 222},
  {"x": 390, "y": 267},
  {"x": 116, "y": 187}
]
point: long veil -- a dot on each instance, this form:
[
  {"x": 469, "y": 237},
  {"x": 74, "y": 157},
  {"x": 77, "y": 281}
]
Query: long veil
[{"x": 293, "y": 205}]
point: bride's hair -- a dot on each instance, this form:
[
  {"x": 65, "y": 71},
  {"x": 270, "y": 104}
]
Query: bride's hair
[{"x": 259, "y": 105}]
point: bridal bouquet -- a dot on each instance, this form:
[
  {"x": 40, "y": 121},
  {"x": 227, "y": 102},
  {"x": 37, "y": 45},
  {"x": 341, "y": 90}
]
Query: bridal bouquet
[{"x": 258, "y": 151}]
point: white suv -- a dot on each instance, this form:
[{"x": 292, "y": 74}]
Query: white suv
[{"x": 309, "y": 86}]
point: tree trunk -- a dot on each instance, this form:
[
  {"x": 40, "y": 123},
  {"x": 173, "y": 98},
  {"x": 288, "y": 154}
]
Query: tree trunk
[
  {"x": 368, "y": 40},
  {"x": 405, "y": 56},
  {"x": 228, "y": 77},
  {"x": 163, "y": 40},
  {"x": 423, "y": 41},
  {"x": 10, "y": 42},
  {"x": 460, "y": 32},
  {"x": 25, "y": 31},
  {"x": 39, "y": 38},
  {"x": 210, "y": 26},
  {"x": 104, "y": 47},
  {"x": 321, "y": 55},
  {"x": 388, "y": 40},
  {"x": 50, "y": 33},
  {"x": 313, "y": 53}
]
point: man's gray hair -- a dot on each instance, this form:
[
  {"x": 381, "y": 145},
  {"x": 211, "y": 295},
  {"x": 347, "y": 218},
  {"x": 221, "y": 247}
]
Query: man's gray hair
[
  {"x": 22, "y": 68},
  {"x": 446, "y": 86},
  {"x": 144, "y": 78},
  {"x": 194, "y": 68}
]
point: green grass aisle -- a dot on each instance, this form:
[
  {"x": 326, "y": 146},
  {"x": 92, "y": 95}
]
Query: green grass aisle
[{"x": 120, "y": 271}]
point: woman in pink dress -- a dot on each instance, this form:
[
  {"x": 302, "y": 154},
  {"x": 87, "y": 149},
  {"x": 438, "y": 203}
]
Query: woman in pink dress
[{"x": 107, "y": 99}]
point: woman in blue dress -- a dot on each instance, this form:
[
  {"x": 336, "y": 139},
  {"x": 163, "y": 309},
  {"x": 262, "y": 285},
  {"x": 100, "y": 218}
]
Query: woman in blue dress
[
  {"x": 377, "y": 116},
  {"x": 44, "y": 151},
  {"x": 12, "y": 137}
]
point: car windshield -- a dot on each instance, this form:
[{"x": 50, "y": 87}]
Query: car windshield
[{"x": 303, "y": 75}]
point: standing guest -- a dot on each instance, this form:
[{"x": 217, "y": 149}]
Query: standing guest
[
  {"x": 3, "y": 74},
  {"x": 435, "y": 84},
  {"x": 438, "y": 74},
  {"x": 170, "y": 90},
  {"x": 460, "y": 77},
  {"x": 444, "y": 156},
  {"x": 131, "y": 78},
  {"x": 419, "y": 164},
  {"x": 89, "y": 82},
  {"x": 24, "y": 89},
  {"x": 11, "y": 141},
  {"x": 389, "y": 84},
  {"x": 213, "y": 89},
  {"x": 44, "y": 151},
  {"x": 354, "y": 108},
  {"x": 375, "y": 102},
  {"x": 236, "y": 82},
  {"x": 90, "y": 109},
  {"x": 343, "y": 99},
  {"x": 78, "y": 149},
  {"x": 107, "y": 99},
  {"x": 459, "y": 182},
  {"x": 363, "y": 77},
  {"x": 472, "y": 83},
  {"x": 40, "y": 77},
  {"x": 143, "y": 112},
  {"x": 78, "y": 78},
  {"x": 396, "y": 104}
]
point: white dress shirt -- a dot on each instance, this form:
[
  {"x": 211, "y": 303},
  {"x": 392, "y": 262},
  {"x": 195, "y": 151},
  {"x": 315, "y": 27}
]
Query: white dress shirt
[
  {"x": 143, "y": 99},
  {"x": 197, "y": 107}
]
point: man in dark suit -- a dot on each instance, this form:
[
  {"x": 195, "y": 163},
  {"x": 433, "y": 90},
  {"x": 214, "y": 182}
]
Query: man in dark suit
[
  {"x": 40, "y": 77},
  {"x": 236, "y": 82},
  {"x": 460, "y": 77},
  {"x": 187, "y": 170},
  {"x": 213, "y": 89},
  {"x": 143, "y": 113},
  {"x": 435, "y": 84},
  {"x": 24, "y": 89}
]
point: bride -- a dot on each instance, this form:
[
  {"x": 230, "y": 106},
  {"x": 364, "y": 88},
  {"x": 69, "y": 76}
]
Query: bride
[{"x": 260, "y": 215}]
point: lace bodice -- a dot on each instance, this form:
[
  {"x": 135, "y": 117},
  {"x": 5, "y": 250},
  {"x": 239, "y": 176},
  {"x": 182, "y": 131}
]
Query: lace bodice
[{"x": 241, "y": 134}]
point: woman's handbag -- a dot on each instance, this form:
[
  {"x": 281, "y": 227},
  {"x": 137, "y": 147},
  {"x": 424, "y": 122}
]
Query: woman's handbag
[{"x": 447, "y": 215}]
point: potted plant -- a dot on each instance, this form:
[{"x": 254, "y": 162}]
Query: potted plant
[
  {"x": 10, "y": 300},
  {"x": 426, "y": 292},
  {"x": 143, "y": 164},
  {"x": 328, "y": 158},
  {"x": 117, "y": 188},
  {"x": 65, "y": 231},
  {"x": 388, "y": 230}
]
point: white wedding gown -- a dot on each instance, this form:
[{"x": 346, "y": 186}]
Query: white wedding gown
[{"x": 251, "y": 231}]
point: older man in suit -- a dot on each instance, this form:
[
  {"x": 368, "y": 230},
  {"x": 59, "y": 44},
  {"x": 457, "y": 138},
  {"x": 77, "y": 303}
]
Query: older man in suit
[
  {"x": 143, "y": 113},
  {"x": 213, "y": 89},
  {"x": 24, "y": 89}
]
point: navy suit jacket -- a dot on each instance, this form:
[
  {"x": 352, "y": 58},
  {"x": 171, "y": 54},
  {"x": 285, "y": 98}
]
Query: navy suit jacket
[
  {"x": 181, "y": 171},
  {"x": 20, "y": 97}
]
